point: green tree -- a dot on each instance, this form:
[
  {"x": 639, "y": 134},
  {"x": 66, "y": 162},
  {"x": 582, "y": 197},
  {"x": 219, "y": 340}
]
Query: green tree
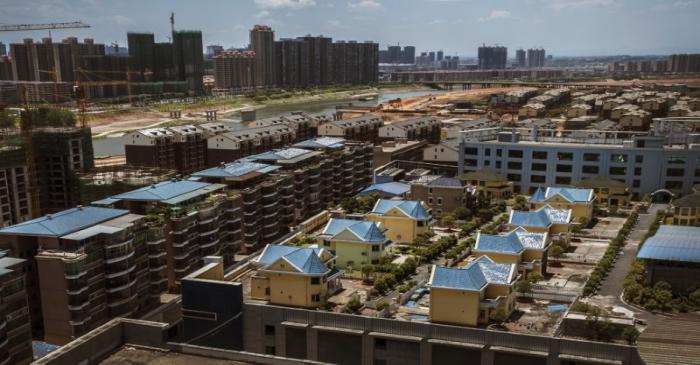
[
  {"x": 523, "y": 287},
  {"x": 462, "y": 213},
  {"x": 534, "y": 277},
  {"x": 367, "y": 271},
  {"x": 556, "y": 251},
  {"x": 500, "y": 315},
  {"x": 354, "y": 305},
  {"x": 448, "y": 220},
  {"x": 630, "y": 334}
]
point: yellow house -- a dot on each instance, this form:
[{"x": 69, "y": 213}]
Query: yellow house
[
  {"x": 580, "y": 201},
  {"x": 608, "y": 192},
  {"x": 355, "y": 243},
  {"x": 402, "y": 219},
  {"x": 543, "y": 220},
  {"x": 295, "y": 276},
  {"x": 489, "y": 184},
  {"x": 686, "y": 210},
  {"x": 526, "y": 249},
  {"x": 473, "y": 294}
]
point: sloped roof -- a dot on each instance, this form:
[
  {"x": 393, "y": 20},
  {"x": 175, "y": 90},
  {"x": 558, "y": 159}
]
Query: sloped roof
[
  {"x": 572, "y": 195},
  {"x": 474, "y": 276},
  {"x": 673, "y": 243},
  {"x": 543, "y": 217},
  {"x": 64, "y": 222},
  {"x": 440, "y": 181},
  {"x": 306, "y": 260},
  {"x": 514, "y": 242},
  {"x": 688, "y": 201},
  {"x": 393, "y": 188},
  {"x": 322, "y": 143},
  {"x": 169, "y": 191},
  {"x": 365, "y": 231},
  {"x": 484, "y": 175},
  {"x": 236, "y": 169},
  {"x": 411, "y": 208},
  {"x": 285, "y": 154},
  {"x": 600, "y": 181}
]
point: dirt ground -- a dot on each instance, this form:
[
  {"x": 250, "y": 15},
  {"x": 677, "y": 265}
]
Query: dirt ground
[{"x": 534, "y": 318}]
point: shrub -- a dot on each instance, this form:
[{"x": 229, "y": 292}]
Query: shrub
[
  {"x": 354, "y": 305},
  {"x": 534, "y": 277},
  {"x": 381, "y": 305},
  {"x": 523, "y": 287},
  {"x": 630, "y": 334},
  {"x": 462, "y": 213}
]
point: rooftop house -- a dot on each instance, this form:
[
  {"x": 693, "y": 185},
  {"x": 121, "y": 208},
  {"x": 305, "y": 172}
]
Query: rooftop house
[
  {"x": 489, "y": 184},
  {"x": 235, "y": 144},
  {"x": 473, "y": 294},
  {"x": 445, "y": 152},
  {"x": 295, "y": 276},
  {"x": 672, "y": 255},
  {"x": 403, "y": 219},
  {"x": 579, "y": 201},
  {"x": 526, "y": 249},
  {"x": 608, "y": 192},
  {"x": 545, "y": 219},
  {"x": 354, "y": 243},
  {"x": 686, "y": 210},
  {"x": 388, "y": 190},
  {"x": 364, "y": 128},
  {"x": 442, "y": 194}
]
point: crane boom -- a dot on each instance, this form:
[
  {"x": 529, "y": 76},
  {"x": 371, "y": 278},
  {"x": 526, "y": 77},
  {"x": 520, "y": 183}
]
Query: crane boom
[{"x": 23, "y": 27}]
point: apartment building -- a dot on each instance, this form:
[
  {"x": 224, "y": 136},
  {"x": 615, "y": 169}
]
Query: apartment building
[
  {"x": 234, "y": 70},
  {"x": 354, "y": 243},
  {"x": 180, "y": 148},
  {"x": 442, "y": 194},
  {"x": 187, "y": 219},
  {"x": 545, "y": 219},
  {"x": 427, "y": 128},
  {"x": 305, "y": 126},
  {"x": 644, "y": 162},
  {"x": 473, "y": 294},
  {"x": 15, "y": 195},
  {"x": 402, "y": 219},
  {"x": 578, "y": 110},
  {"x": 86, "y": 265},
  {"x": 579, "y": 201},
  {"x": 364, "y": 128},
  {"x": 527, "y": 250},
  {"x": 295, "y": 276},
  {"x": 15, "y": 325},
  {"x": 235, "y": 144},
  {"x": 451, "y": 128}
]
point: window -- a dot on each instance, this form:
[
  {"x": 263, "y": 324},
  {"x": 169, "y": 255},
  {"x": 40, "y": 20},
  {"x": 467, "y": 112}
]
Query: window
[
  {"x": 563, "y": 180},
  {"x": 539, "y": 167},
  {"x": 376, "y": 248},
  {"x": 618, "y": 171},
  {"x": 327, "y": 243},
  {"x": 499, "y": 152},
  {"x": 635, "y": 183},
  {"x": 380, "y": 343},
  {"x": 639, "y": 159},
  {"x": 269, "y": 330},
  {"x": 637, "y": 171},
  {"x": 591, "y": 157},
  {"x": 589, "y": 169},
  {"x": 565, "y": 156},
  {"x": 515, "y": 165},
  {"x": 537, "y": 179},
  {"x": 539, "y": 155},
  {"x": 498, "y": 164},
  {"x": 514, "y": 177},
  {"x": 676, "y": 160},
  {"x": 515, "y": 154},
  {"x": 675, "y": 172},
  {"x": 487, "y": 152},
  {"x": 564, "y": 168},
  {"x": 674, "y": 185},
  {"x": 470, "y": 162},
  {"x": 471, "y": 150},
  {"x": 487, "y": 163},
  {"x": 315, "y": 297},
  {"x": 439, "y": 201},
  {"x": 270, "y": 350},
  {"x": 697, "y": 172},
  {"x": 315, "y": 281},
  {"x": 618, "y": 158}
]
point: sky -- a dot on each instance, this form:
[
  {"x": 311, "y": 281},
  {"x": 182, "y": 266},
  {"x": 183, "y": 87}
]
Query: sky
[{"x": 562, "y": 27}]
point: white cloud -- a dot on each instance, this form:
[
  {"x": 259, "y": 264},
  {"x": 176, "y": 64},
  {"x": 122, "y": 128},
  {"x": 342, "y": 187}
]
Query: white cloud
[
  {"x": 563, "y": 4},
  {"x": 262, "y": 14},
  {"x": 333, "y": 23},
  {"x": 496, "y": 15},
  {"x": 121, "y": 19},
  {"x": 365, "y": 4},
  {"x": 278, "y": 4}
]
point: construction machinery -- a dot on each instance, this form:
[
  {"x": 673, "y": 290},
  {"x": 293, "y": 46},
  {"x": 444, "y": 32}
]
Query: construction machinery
[{"x": 26, "y": 27}]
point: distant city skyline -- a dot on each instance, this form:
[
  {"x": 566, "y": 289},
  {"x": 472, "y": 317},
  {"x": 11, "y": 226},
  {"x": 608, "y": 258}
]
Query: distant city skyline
[{"x": 562, "y": 27}]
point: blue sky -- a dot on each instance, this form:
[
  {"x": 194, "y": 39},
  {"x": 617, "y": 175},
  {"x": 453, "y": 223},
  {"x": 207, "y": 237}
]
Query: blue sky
[{"x": 563, "y": 27}]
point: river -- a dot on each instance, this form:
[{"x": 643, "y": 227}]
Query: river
[{"x": 115, "y": 145}]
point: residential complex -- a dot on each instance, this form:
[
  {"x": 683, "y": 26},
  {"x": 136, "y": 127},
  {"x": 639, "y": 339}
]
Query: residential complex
[
  {"x": 412, "y": 129},
  {"x": 492, "y": 57},
  {"x": 402, "y": 219},
  {"x": 364, "y": 128}
]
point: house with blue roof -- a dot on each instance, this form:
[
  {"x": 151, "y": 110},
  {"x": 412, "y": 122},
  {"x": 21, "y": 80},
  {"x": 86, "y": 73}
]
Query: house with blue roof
[
  {"x": 295, "y": 276},
  {"x": 402, "y": 219},
  {"x": 388, "y": 190},
  {"x": 355, "y": 243},
  {"x": 672, "y": 255},
  {"x": 526, "y": 249},
  {"x": 545, "y": 219},
  {"x": 580, "y": 201},
  {"x": 473, "y": 294}
]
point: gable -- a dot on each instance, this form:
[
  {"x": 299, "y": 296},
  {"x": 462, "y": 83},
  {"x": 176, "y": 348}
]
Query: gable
[
  {"x": 345, "y": 235},
  {"x": 281, "y": 264},
  {"x": 395, "y": 212}
]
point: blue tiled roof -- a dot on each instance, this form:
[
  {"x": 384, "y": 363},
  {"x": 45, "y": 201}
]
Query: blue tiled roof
[
  {"x": 162, "y": 191},
  {"x": 393, "y": 188},
  {"x": 365, "y": 231},
  {"x": 411, "y": 208},
  {"x": 573, "y": 195},
  {"x": 514, "y": 242},
  {"x": 281, "y": 154},
  {"x": 307, "y": 260},
  {"x": 543, "y": 217},
  {"x": 64, "y": 222},
  {"x": 673, "y": 243},
  {"x": 322, "y": 142},
  {"x": 473, "y": 276},
  {"x": 237, "y": 168}
]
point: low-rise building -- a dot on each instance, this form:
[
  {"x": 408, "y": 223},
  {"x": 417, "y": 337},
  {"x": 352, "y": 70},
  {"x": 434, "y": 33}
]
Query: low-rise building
[
  {"x": 181, "y": 148},
  {"x": 532, "y": 110},
  {"x": 364, "y": 128},
  {"x": 403, "y": 219},
  {"x": 620, "y": 110},
  {"x": 235, "y": 144},
  {"x": 608, "y": 192},
  {"x": 672, "y": 255},
  {"x": 635, "y": 120},
  {"x": 489, "y": 184},
  {"x": 445, "y": 152},
  {"x": 427, "y": 128},
  {"x": 399, "y": 149},
  {"x": 580, "y": 122},
  {"x": 473, "y": 294},
  {"x": 579, "y": 201},
  {"x": 452, "y": 127},
  {"x": 686, "y": 210},
  {"x": 578, "y": 110},
  {"x": 545, "y": 220},
  {"x": 295, "y": 276},
  {"x": 354, "y": 243},
  {"x": 679, "y": 110},
  {"x": 442, "y": 194},
  {"x": 526, "y": 249}
]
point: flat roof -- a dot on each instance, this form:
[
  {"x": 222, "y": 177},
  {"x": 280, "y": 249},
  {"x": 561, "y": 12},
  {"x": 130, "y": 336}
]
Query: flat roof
[
  {"x": 169, "y": 192},
  {"x": 133, "y": 355}
]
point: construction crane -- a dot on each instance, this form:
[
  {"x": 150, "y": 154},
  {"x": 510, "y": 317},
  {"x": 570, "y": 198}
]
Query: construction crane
[{"x": 25, "y": 27}]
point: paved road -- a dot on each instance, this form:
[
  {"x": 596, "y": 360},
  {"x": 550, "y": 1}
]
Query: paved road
[{"x": 611, "y": 288}]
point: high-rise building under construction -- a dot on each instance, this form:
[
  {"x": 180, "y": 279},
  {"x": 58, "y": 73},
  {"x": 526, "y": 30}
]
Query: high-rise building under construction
[{"x": 262, "y": 42}]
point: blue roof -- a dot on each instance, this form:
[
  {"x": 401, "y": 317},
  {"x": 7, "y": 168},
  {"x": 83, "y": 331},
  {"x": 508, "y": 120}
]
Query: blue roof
[
  {"x": 365, "y": 231},
  {"x": 282, "y": 154},
  {"x": 673, "y": 243},
  {"x": 411, "y": 208},
  {"x": 573, "y": 195},
  {"x": 306, "y": 260},
  {"x": 161, "y": 191},
  {"x": 64, "y": 222},
  {"x": 543, "y": 217},
  {"x": 514, "y": 242},
  {"x": 473, "y": 276},
  {"x": 393, "y": 188},
  {"x": 322, "y": 143},
  {"x": 236, "y": 169}
]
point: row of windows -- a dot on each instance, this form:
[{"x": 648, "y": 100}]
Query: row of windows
[{"x": 586, "y": 169}]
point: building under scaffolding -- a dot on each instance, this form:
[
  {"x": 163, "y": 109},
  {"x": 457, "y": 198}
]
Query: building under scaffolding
[{"x": 113, "y": 180}]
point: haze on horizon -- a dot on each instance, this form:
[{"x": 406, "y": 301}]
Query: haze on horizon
[{"x": 562, "y": 27}]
